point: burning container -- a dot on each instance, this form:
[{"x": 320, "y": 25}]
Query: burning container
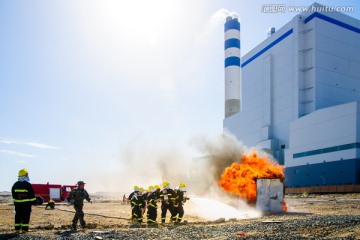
[{"x": 270, "y": 195}]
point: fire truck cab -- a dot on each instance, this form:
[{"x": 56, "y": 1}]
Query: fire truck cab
[{"x": 57, "y": 192}]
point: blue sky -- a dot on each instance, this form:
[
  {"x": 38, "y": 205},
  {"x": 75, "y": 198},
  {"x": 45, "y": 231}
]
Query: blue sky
[{"x": 100, "y": 90}]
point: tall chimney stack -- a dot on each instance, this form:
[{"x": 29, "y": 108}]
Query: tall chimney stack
[{"x": 232, "y": 66}]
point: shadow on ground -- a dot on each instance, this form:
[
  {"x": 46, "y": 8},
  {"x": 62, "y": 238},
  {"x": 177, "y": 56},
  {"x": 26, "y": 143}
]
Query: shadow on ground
[{"x": 9, "y": 236}]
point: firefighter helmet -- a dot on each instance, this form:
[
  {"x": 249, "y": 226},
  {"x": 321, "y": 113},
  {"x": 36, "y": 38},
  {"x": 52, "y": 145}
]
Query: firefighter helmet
[
  {"x": 156, "y": 187},
  {"x": 151, "y": 189},
  {"x": 23, "y": 172},
  {"x": 51, "y": 200},
  {"x": 136, "y": 188},
  {"x": 165, "y": 184},
  {"x": 141, "y": 189},
  {"x": 182, "y": 187}
]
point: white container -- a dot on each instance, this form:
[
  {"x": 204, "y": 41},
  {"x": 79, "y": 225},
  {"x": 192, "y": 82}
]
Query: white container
[{"x": 269, "y": 195}]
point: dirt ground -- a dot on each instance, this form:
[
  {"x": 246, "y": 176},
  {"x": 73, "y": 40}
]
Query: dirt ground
[
  {"x": 100, "y": 215},
  {"x": 106, "y": 216}
]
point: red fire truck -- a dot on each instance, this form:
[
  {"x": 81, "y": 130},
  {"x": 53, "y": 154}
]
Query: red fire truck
[{"x": 57, "y": 192}]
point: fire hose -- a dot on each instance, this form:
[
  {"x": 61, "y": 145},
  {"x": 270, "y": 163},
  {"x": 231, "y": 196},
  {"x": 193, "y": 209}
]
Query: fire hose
[{"x": 93, "y": 214}]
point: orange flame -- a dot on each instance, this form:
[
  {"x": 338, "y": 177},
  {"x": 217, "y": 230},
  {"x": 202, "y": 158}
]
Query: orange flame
[
  {"x": 240, "y": 178},
  {"x": 284, "y": 206}
]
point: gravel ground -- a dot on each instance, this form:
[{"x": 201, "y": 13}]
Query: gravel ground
[{"x": 308, "y": 217}]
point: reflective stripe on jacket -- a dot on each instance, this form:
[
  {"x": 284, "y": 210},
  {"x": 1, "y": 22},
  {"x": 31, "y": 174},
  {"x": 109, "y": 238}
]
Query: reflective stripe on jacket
[{"x": 23, "y": 192}]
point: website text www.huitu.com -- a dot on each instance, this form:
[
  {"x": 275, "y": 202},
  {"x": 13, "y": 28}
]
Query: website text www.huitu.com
[{"x": 282, "y": 8}]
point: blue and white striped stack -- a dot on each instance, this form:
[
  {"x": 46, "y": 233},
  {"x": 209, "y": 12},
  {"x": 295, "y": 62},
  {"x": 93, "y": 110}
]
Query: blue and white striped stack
[{"x": 232, "y": 66}]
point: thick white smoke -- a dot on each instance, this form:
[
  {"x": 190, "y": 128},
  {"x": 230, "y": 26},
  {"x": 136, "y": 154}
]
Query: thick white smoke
[
  {"x": 144, "y": 164},
  {"x": 217, "y": 154}
]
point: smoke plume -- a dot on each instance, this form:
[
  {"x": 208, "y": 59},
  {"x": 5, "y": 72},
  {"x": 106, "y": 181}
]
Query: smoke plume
[
  {"x": 144, "y": 165},
  {"x": 218, "y": 153}
]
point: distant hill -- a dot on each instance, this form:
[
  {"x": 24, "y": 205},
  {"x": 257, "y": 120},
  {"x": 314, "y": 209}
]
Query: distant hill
[{"x": 5, "y": 193}]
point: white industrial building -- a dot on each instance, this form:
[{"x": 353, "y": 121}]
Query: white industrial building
[{"x": 299, "y": 97}]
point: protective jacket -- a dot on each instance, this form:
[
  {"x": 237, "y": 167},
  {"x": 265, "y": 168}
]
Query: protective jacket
[
  {"x": 23, "y": 193},
  {"x": 77, "y": 196}
]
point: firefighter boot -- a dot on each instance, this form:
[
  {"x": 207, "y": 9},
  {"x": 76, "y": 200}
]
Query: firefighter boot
[
  {"x": 83, "y": 223},
  {"x": 73, "y": 225},
  {"x": 173, "y": 219}
]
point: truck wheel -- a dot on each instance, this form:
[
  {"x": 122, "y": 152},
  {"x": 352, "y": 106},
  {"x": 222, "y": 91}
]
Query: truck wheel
[{"x": 39, "y": 200}]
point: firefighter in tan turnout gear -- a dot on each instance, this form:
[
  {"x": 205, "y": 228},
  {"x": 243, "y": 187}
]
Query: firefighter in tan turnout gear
[
  {"x": 24, "y": 197},
  {"x": 76, "y": 197}
]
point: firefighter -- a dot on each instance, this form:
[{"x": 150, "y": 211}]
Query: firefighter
[
  {"x": 50, "y": 204},
  {"x": 144, "y": 194},
  {"x": 167, "y": 196},
  {"x": 135, "y": 192},
  {"x": 76, "y": 197},
  {"x": 24, "y": 197},
  {"x": 136, "y": 201},
  {"x": 152, "y": 200},
  {"x": 179, "y": 202}
]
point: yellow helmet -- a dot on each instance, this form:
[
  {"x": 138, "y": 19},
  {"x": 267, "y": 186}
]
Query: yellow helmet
[
  {"x": 165, "y": 184},
  {"x": 23, "y": 172},
  {"x": 181, "y": 185},
  {"x": 141, "y": 189},
  {"x": 50, "y": 200},
  {"x": 156, "y": 187},
  {"x": 136, "y": 188}
]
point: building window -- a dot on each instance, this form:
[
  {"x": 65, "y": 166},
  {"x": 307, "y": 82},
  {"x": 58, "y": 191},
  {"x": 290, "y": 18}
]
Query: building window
[{"x": 327, "y": 150}]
